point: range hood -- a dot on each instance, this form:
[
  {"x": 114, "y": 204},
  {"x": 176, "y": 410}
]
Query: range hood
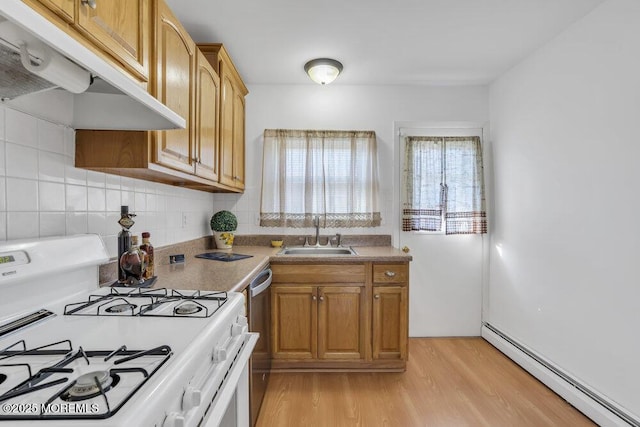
[{"x": 103, "y": 96}]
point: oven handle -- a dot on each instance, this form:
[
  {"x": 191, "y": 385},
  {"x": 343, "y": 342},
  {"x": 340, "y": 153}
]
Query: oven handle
[{"x": 257, "y": 290}]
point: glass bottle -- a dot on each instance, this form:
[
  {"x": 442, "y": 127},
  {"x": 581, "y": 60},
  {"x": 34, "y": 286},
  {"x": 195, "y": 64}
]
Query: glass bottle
[
  {"x": 148, "y": 249},
  {"x": 132, "y": 263}
]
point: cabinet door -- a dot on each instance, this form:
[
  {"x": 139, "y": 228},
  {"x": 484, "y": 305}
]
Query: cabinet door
[
  {"x": 341, "y": 322},
  {"x": 63, "y": 8},
  {"x": 238, "y": 140},
  {"x": 206, "y": 126},
  {"x": 120, "y": 28},
  {"x": 294, "y": 317},
  {"x": 226, "y": 127},
  {"x": 390, "y": 322},
  {"x": 175, "y": 88}
]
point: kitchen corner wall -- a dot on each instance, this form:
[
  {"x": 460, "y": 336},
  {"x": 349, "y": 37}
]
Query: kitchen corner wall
[
  {"x": 42, "y": 194},
  {"x": 446, "y": 272},
  {"x": 343, "y": 107}
]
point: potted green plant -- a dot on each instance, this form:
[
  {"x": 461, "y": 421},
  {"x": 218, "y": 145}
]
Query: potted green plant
[{"x": 223, "y": 224}]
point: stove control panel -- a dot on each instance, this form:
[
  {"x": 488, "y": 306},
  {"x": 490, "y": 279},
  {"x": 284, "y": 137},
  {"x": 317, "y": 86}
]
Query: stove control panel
[{"x": 9, "y": 260}]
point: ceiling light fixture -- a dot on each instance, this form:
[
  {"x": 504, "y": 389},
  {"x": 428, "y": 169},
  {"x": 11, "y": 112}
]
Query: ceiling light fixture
[{"x": 323, "y": 70}]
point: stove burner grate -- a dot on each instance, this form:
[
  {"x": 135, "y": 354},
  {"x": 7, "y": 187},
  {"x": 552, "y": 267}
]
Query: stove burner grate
[
  {"x": 148, "y": 303},
  {"x": 95, "y": 384}
]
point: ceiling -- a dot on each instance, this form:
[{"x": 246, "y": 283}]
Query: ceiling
[{"x": 409, "y": 42}]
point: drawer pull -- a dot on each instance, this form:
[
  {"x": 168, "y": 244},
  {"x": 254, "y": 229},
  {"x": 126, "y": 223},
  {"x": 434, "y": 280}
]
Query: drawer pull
[
  {"x": 377, "y": 296},
  {"x": 390, "y": 273}
]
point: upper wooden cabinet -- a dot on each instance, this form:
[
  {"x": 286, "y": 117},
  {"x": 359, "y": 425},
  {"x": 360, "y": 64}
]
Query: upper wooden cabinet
[
  {"x": 174, "y": 85},
  {"x": 232, "y": 116},
  {"x": 119, "y": 29},
  {"x": 66, "y": 9},
  {"x": 207, "y": 120},
  {"x": 204, "y": 88}
]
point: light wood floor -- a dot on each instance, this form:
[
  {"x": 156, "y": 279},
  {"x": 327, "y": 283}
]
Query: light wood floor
[{"x": 448, "y": 382}]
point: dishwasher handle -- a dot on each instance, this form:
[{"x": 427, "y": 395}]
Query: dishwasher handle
[{"x": 257, "y": 287}]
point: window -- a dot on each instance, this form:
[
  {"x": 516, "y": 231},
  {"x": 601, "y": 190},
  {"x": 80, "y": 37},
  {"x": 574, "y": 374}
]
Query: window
[
  {"x": 443, "y": 185},
  {"x": 332, "y": 174}
]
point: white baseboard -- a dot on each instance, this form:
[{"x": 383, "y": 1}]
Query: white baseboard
[{"x": 566, "y": 389}]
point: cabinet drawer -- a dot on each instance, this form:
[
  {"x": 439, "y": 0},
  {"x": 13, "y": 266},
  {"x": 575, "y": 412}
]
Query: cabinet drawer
[
  {"x": 318, "y": 273},
  {"x": 390, "y": 273}
]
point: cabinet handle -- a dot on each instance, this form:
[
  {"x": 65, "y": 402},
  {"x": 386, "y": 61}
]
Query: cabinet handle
[
  {"x": 91, "y": 3},
  {"x": 390, "y": 273},
  {"x": 237, "y": 178},
  {"x": 377, "y": 296},
  {"x": 313, "y": 297},
  {"x": 321, "y": 298}
]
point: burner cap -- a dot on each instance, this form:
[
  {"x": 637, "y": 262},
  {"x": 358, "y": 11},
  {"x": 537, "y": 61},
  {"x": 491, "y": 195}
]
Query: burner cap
[
  {"x": 187, "y": 308},
  {"x": 121, "y": 308},
  {"x": 86, "y": 384}
]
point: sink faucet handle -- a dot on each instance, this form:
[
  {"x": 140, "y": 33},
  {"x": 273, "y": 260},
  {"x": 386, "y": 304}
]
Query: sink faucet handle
[{"x": 338, "y": 240}]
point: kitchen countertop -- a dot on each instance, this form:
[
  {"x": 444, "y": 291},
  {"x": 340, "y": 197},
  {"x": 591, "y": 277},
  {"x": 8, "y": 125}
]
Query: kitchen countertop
[
  {"x": 210, "y": 275},
  {"x": 234, "y": 276}
]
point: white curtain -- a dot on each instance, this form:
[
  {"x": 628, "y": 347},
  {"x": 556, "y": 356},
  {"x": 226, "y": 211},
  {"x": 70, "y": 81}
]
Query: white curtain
[
  {"x": 332, "y": 174},
  {"x": 443, "y": 185}
]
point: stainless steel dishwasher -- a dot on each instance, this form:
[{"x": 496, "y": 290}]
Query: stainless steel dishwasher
[{"x": 259, "y": 312}]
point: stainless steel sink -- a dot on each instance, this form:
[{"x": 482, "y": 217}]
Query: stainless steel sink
[{"x": 316, "y": 250}]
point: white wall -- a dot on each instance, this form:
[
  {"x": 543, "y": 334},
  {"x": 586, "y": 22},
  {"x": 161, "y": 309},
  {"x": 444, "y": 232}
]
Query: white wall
[
  {"x": 42, "y": 194},
  {"x": 377, "y": 108},
  {"x": 344, "y": 107},
  {"x": 565, "y": 229}
]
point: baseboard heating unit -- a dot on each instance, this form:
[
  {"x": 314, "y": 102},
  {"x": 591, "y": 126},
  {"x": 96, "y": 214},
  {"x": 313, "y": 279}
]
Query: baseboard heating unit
[{"x": 589, "y": 402}]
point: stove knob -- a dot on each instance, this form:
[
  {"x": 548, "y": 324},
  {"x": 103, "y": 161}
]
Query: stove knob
[
  {"x": 219, "y": 354},
  {"x": 174, "y": 419},
  {"x": 191, "y": 398},
  {"x": 238, "y": 329}
]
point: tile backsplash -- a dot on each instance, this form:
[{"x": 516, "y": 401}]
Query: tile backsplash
[{"x": 42, "y": 194}]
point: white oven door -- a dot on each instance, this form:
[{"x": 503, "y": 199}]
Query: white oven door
[{"x": 231, "y": 405}]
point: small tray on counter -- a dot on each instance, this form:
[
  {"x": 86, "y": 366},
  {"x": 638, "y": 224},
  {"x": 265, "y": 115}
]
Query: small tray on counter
[{"x": 223, "y": 256}]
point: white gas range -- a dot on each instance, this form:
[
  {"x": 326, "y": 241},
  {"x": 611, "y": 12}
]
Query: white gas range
[{"x": 74, "y": 354}]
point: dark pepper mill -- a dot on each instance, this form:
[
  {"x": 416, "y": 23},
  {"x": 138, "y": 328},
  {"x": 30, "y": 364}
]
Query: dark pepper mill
[{"x": 124, "y": 238}]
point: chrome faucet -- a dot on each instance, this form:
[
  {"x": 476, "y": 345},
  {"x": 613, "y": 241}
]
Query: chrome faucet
[{"x": 316, "y": 224}]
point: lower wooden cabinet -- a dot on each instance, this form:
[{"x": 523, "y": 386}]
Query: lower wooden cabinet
[
  {"x": 337, "y": 317},
  {"x": 341, "y": 319},
  {"x": 294, "y": 317},
  {"x": 389, "y": 322},
  {"x": 318, "y": 322}
]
